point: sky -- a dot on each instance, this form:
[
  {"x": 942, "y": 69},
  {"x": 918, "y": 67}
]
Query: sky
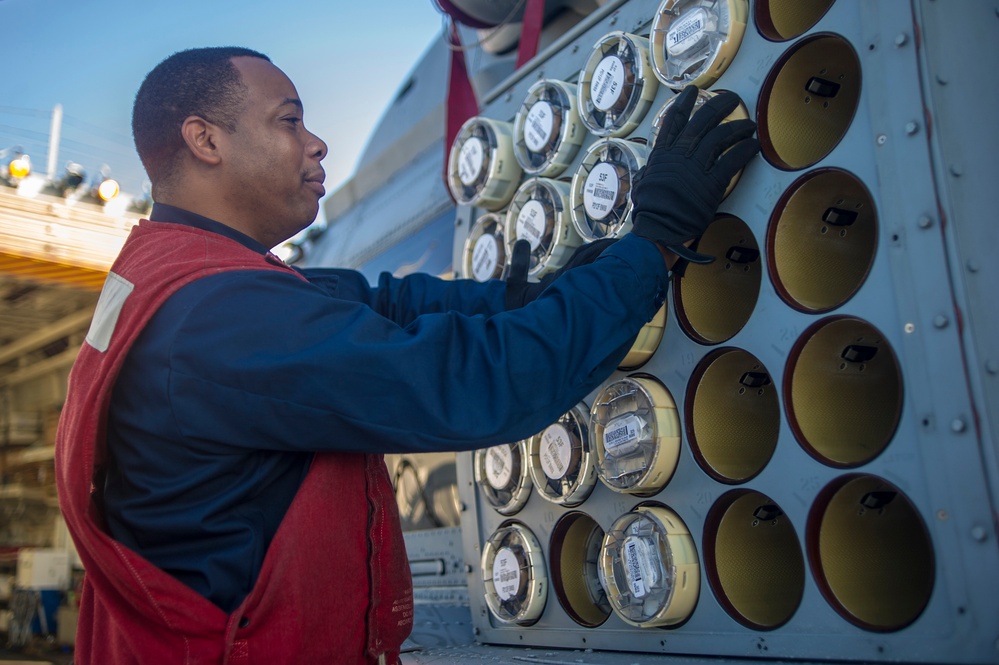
[{"x": 90, "y": 56}]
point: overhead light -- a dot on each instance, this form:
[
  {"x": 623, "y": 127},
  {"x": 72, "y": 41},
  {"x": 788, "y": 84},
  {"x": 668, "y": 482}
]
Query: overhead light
[
  {"x": 19, "y": 167},
  {"x": 108, "y": 189},
  {"x": 70, "y": 181}
]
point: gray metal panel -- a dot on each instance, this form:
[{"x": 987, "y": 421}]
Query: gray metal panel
[
  {"x": 404, "y": 203},
  {"x": 912, "y": 295},
  {"x": 957, "y": 60},
  {"x": 440, "y": 547},
  {"x": 481, "y": 653}
]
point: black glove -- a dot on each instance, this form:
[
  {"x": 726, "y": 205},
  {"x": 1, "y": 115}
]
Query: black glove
[
  {"x": 684, "y": 180},
  {"x": 519, "y": 291}
]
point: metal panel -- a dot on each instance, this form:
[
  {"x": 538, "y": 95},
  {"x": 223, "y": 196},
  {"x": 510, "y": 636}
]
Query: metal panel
[{"x": 926, "y": 156}]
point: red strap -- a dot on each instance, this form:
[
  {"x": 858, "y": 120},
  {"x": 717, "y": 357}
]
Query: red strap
[
  {"x": 530, "y": 32},
  {"x": 461, "y": 102}
]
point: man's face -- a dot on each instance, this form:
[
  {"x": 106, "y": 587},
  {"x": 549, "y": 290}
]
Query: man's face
[{"x": 272, "y": 162}]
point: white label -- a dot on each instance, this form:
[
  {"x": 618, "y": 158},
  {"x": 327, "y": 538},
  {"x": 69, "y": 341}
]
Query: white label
[
  {"x": 687, "y": 31},
  {"x": 621, "y": 435},
  {"x": 607, "y": 82},
  {"x": 600, "y": 192},
  {"x": 638, "y": 567},
  {"x": 538, "y": 126},
  {"x": 116, "y": 290},
  {"x": 531, "y": 223},
  {"x": 470, "y": 160},
  {"x": 485, "y": 257},
  {"x": 499, "y": 466},
  {"x": 506, "y": 574},
  {"x": 556, "y": 449}
]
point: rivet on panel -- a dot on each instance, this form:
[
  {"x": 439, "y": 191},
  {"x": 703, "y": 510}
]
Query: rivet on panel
[
  {"x": 901, "y": 39},
  {"x": 910, "y": 328},
  {"x": 940, "y": 321},
  {"x": 941, "y": 80},
  {"x": 942, "y": 515},
  {"x": 508, "y": 96},
  {"x": 958, "y": 425},
  {"x": 991, "y": 366},
  {"x": 979, "y": 533},
  {"x": 882, "y": 139},
  {"x": 956, "y": 170},
  {"x": 911, "y": 127},
  {"x": 972, "y": 265},
  {"x": 925, "y": 222}
]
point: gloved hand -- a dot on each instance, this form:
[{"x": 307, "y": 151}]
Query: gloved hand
[
  {"x": 684, "y": 180},
  {"x": 519, "y": 291}
]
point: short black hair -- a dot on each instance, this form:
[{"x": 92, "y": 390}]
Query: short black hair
[{"x": 201, "y": 82}]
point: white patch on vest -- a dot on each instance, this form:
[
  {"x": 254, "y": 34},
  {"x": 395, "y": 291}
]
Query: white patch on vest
[{"x": 116, "y": 290}]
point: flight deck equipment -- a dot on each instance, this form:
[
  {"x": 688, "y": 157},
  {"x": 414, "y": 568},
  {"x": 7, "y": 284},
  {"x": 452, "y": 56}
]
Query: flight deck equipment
[
  {"x": 513, "y": 568},
  {"x": 646, "y": 342},
  {"x": 822, "y": 410},
  {"x": 649, "y": 567},
  {"x": 547, "y": 129},
  {"x": 635, "y": 431},
  {"x": 693, "y": 41},
  {"x": 616, "y": 85},
  {"x": 601, "y": 188},
  {"x": 503, "y": 476},
  {"x": 539, "y": 214},
  {"x": 561, "y": 460},
  {"x": 481, "y": 168},
  {"x": 484, "y": 257}
]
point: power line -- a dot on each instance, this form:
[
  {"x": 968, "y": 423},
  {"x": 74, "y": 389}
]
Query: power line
[
  {"x": 25, "y": 132},
  {"x": 32, "y": 113},
  {"x": 71, "y": 121},
  {"x": 109, "y": 133}
]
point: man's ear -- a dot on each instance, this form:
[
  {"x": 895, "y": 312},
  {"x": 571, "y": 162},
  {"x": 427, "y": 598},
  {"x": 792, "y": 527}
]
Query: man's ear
[{"x": 201, "y": 139}]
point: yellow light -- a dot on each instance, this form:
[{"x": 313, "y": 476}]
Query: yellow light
[
  {"x": 108, "y": 189},
  {"x": 19, "y": 167}
]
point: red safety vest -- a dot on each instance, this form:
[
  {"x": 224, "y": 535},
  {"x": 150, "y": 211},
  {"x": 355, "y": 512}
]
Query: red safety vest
[{"x": 335, "y": 584}]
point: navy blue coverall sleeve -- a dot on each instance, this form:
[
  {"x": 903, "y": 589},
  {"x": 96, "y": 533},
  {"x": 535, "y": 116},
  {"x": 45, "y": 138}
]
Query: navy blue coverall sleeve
[
  {"x": 417, "y": 364},
  {"x": 404, "y": 299}
]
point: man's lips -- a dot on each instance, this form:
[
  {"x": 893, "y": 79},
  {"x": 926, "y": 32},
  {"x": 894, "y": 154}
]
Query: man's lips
[{"x": 315, "y": 183}]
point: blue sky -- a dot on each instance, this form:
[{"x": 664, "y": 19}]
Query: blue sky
[{"x": 91, "y": 55}]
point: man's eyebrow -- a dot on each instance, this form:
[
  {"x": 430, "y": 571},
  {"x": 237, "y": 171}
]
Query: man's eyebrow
[{"x": 293, "y": 101}]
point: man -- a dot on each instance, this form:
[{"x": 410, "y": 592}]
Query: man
[{"x": 219, "y": 455}]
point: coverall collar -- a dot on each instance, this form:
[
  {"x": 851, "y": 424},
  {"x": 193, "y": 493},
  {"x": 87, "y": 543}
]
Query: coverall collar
[{"x": 162, "y": 212}]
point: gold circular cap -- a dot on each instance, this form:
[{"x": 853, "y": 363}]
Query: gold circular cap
[
  {"x": 753, "y": 560},
  {"x": 733, "y": 415},
  {"x": 871, "y": 553},
  {"x": 843, "y": 391},
  {"x": 822, "y": 240},
  {"x": 808, "y": 101}
]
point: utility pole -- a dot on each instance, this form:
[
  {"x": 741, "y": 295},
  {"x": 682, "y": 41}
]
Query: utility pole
[{"x": 54, "y": 141}]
